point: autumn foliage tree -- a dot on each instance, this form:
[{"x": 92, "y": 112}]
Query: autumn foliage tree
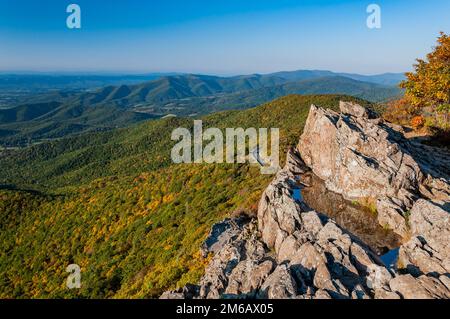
[
  {"x": 401, "y": 111},
  {"x": 427, "y": 88}
]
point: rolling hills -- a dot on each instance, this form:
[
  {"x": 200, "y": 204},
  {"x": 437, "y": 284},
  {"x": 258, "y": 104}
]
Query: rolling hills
[
  {"x": 142, "y": 147},
  {"x": 114, "y": 203},
  {"x": 174, "y": 88},
  {"x": 68, "y": 113}
]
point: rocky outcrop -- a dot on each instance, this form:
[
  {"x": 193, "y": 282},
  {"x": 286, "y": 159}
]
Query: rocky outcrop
[
  {"x": 239, "y": 267},
  {"x": 323, "y": 257},
  {"x": 428, "y": 251},
  {"x": 361, "y": 157},
  {"x": 292, "y": 251},
  {"x": 300, "y": 253}
]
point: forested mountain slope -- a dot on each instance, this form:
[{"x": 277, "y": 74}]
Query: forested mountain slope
[
  {"x": 70, "y": 113},
  {"x": 114, "y": 203}
]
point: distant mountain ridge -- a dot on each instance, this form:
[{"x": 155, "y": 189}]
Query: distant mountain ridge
[
  {"x": 180, "y": 87},
  {"x": 59, "y": 113},
  {"x": 383, "y": 79},
  {"x": 14, "y": 81}
]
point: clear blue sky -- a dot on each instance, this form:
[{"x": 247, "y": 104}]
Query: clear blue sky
[{"x": 217, "y": 36}]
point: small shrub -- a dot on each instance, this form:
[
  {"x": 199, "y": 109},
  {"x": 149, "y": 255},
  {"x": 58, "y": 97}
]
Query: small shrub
[
  {"x": 370, "y": 204},
  {"x": 407, "y": 215},
  {"x": 418, "y": 122},
  {"x": 400, "y": 111}
]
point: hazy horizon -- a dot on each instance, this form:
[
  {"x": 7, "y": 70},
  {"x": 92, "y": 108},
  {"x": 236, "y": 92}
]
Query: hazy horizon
[{"x": 167, "y": 73}]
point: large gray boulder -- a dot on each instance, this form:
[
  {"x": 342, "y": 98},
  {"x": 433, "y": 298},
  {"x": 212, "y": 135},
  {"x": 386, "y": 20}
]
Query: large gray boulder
[
  {"x": 362, "y": 157},
  {"x": 428, "y": 251}
]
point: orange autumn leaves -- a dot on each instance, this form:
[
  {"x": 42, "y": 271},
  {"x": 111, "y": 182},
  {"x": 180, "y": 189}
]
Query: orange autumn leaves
[{"x": 427, "y": 91}]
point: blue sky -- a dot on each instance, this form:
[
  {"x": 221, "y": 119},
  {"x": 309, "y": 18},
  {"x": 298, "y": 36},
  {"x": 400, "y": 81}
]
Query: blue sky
[{"x": 217, "y": 36}]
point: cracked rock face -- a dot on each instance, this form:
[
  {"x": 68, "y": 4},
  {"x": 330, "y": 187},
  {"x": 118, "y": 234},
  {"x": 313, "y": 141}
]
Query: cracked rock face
[
  {"x": 362, "y": 157},
  {"x": 292, "y": 251},
  {"x": 428, "y": 251}
]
